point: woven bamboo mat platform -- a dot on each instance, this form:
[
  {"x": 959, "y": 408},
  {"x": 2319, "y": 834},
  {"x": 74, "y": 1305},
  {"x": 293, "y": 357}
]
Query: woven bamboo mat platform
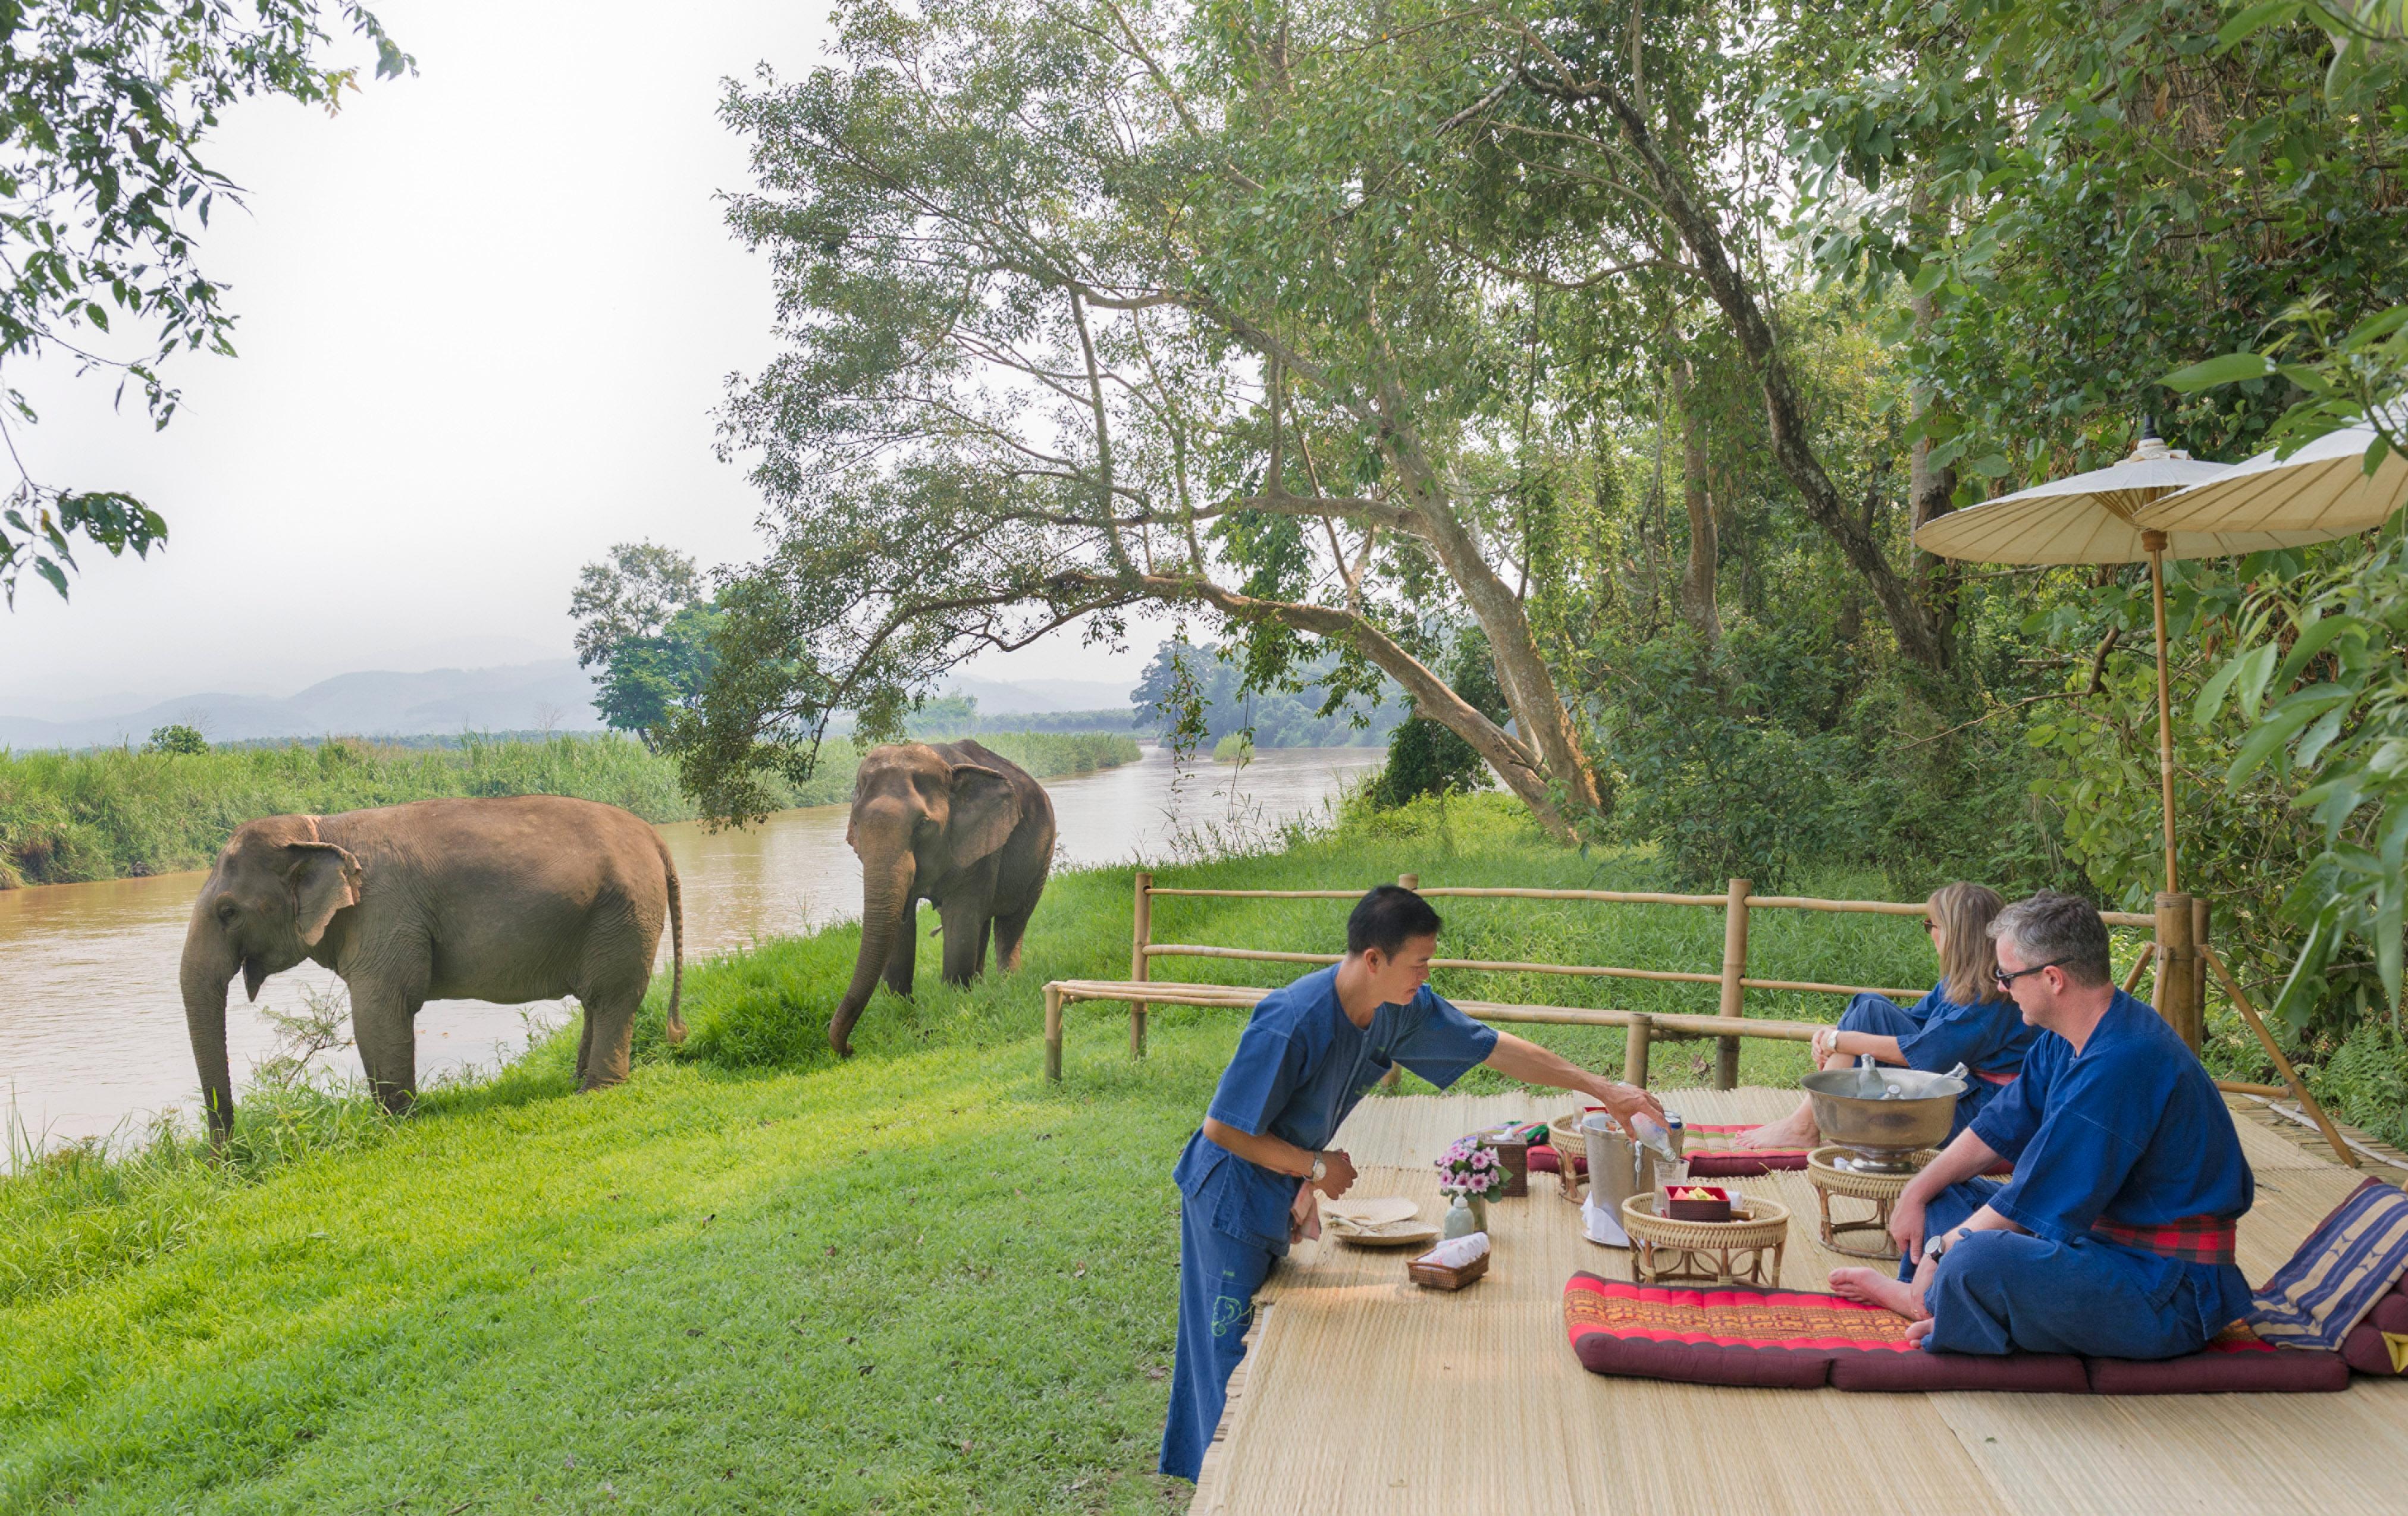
[{"x": 1364, "y": 1393}]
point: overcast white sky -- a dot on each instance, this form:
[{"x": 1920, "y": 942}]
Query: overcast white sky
[{"x": 486, "y": 314}]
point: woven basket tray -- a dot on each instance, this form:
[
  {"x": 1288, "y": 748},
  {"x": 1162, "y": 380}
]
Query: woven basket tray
[
  {"x": 1824, "y": 1174},
  {"x": 1434, "y": 1277},
  {"x": 1765, "y": 1225}
]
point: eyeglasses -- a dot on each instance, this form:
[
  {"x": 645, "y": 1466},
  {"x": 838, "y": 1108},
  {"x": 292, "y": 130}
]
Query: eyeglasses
[
  {"x": 1931, "y": 925},
  {"x": 2006, "y": 980}
]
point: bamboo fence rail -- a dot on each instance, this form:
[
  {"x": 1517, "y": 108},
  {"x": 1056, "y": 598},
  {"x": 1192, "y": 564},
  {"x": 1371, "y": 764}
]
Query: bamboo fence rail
[{"x": 2180, "y": 952}]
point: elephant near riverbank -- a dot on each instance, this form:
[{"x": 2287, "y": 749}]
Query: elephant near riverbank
[
  {"x": 510, "y": 900},
  {"x": 954, "y": 824}
]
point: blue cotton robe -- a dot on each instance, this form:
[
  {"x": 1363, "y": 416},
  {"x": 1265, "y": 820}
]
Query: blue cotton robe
[
  {"x": 2132, "y": 1130},
  {"x": 1299, "y": 1069},
  {"x": 1935, "y": 1033}
]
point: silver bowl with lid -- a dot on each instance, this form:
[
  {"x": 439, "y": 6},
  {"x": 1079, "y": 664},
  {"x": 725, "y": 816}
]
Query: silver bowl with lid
[{"x": 1882, "y": 1116}]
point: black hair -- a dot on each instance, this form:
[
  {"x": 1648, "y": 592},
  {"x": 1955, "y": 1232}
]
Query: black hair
[{"x": 1387, "y": 919}]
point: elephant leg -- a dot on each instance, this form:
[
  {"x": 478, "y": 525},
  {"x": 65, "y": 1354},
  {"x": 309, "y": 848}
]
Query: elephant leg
[
  {"x": 904, "y": 957},
  {"x": 609, "y": 1031},
  {"x": 382, "y": 1029},
  {"x": 584, "y": 1040},
  {"x": 966, "y": 918},
  {"x": 1008, "y": 931},
  {"x": 986, "y": 935}
]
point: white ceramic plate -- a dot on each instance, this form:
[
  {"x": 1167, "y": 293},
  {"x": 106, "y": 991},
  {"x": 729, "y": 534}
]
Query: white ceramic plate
[{"x": 1371, "y": 1211}]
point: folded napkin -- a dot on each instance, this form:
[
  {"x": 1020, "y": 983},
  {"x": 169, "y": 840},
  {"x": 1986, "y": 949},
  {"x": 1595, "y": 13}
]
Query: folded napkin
[{"x": 1455, "y": 1254}]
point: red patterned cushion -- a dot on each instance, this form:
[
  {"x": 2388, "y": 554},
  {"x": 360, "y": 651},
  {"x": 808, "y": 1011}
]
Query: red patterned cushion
[
  {"x": 2238, "y": 1362},
  {"x": 2364, "y": 1348}
]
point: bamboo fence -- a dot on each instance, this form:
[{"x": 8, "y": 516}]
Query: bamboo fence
[{"x": 2179, "y": 951}]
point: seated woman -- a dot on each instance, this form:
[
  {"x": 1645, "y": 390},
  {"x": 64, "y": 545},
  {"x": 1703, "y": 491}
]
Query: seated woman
[{"x": 1966, "y": 1018}]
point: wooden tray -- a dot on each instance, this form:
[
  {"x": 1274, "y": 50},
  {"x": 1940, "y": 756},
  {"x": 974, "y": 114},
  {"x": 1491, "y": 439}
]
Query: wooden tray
[{"x": 1435, "y": 1277}]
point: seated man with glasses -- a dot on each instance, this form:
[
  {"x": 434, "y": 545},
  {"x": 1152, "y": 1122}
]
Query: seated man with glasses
[{"x": 2114, "y": 1237}]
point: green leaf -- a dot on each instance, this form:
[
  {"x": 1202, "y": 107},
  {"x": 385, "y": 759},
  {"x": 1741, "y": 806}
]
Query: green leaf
[
  {"x": 2230, "y": 369},
  {"x": 1991, "y": 466},
  {"x": 2257, "y": 668},
  {"x": 2374, "y": 452},
  {"x": 2252, "y": 19},
  {"x": 2319, "y": 736},
  {"x": 2312, "y": 641},
  {"x": 2211, "y": 699},
  {"x": 2264, "y": 741}
]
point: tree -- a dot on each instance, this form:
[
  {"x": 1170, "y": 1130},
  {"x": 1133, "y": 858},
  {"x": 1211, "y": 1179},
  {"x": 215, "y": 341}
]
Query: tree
[
  {"x": 1086, "y": 306},
  {"x": 632, "y": 593},
  {"x": 103, "y": 109},
  {"x": 641, "y": 615},
  {"x": 177, "y": 740}
]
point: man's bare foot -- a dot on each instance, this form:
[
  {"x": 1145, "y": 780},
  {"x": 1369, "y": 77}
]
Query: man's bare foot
[
  {"x": 1916, "y": 1332},
  {"x": 1796, "y": 1129},
  {"x": 1875, "y": 1288}
]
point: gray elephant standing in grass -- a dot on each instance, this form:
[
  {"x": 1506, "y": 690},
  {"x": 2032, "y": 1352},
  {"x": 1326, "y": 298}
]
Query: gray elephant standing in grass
[
  {"x": 509, "y": 900},
  {"x": 954, "y": 824}
]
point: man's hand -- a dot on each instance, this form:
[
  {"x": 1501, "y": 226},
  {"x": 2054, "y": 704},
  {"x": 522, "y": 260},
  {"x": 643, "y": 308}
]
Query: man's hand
[
  {"x": 1625, "y": 1101},
  {"x": 1906, "y": 1223},
  {"x": 1337, "y": 1174}
]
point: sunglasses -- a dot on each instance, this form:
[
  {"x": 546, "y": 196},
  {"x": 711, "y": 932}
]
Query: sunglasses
[{"x": 2006, "y": 980}]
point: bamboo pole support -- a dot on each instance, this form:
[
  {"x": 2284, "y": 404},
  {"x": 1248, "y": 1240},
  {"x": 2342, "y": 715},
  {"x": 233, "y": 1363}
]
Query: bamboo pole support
[
  {"x": 1634, "y": 1048},
  {"x": 2196, "y": 986},
  {"x": 2156, "y": 544},
  {"x": 1053, "y": 1033},
  {"x": 2281, "y": 1065},
  {"x": 1734, "y": 997},
  {"x": 1141, "y": 938},
  {"x": 2139, "y": 965},
  {"x": 2176, "y": 959},
  {"x": 1395, "y": 1075}
]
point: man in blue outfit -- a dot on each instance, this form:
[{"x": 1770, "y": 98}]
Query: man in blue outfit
[
  {"x": 2114, "y": 1237},
  {"x": 1247, "y": 1179}
]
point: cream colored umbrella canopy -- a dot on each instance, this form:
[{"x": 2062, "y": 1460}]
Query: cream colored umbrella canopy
[
  {"x": 2089, "y": 518},
  {"x": 2319, "y": 492}
]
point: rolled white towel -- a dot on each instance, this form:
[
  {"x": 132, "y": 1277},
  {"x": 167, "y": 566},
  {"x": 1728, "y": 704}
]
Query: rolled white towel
[{"x": 1457, "y": 1253}]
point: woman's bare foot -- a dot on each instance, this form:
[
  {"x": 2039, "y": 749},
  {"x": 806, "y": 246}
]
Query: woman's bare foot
[
  {"x": 1795, "y": 1130},
  {"x": 1875, "y": 1288}
]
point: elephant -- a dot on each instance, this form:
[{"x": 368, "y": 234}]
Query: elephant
[
  {"x": 510, "y": 900},
  {"x": 954, "y": 824}
]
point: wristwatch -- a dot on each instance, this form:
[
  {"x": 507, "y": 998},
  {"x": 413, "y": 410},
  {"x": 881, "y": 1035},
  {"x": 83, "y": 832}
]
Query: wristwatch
[
  {"x": 1320, "y": 1169},
  {"x": 1934, "y": 1246}
]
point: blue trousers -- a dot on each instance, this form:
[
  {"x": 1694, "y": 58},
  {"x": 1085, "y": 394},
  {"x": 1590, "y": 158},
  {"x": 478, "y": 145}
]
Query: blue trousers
[
  {"x": 1880, "y": 1016},
  {"x": 2002, "y": 1292},
  {"x": 1218, "y": 1276}
]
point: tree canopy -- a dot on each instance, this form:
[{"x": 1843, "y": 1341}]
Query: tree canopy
[{"x": 104, "y": 110}]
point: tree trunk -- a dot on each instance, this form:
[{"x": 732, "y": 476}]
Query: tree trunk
[
  {"x": 1931, "y": 495},
  {"x": 885, "y": 905},
  {"x": 1697, "y": 583},
  {"x": 1917, "y": 638}
]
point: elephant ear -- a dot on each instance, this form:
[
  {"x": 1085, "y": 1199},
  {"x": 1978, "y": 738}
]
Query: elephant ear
[
  {"x": 324, "y": 878},
  {"x": 985, "y": 811}
]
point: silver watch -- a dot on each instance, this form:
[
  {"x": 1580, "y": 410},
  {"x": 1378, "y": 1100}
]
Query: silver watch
[
  {"x": 1934, "y": 1246},
  {"x": 1320, "y": 1169}
]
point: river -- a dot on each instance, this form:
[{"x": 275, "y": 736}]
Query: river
[{"x": 94, "y": 1037}]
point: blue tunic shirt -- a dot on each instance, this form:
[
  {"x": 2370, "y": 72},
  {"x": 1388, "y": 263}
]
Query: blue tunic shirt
[
  {"x": 2131, "y": 1130},
  {"x": 1300, "y": 1066},
  {"x": 1989, "y": 1036}
]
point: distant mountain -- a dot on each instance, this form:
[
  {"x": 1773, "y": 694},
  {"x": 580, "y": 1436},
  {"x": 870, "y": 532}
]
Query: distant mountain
[{"x": 554, "y": 694}]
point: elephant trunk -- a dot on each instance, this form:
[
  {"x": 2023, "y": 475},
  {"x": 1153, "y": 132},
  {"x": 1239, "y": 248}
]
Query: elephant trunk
[
  {"x": 885, "y": 907},
  {"x": 209, "y": 963}
]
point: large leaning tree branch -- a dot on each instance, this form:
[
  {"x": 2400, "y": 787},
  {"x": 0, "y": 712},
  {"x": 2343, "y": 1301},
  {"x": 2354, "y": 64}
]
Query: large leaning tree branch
[{"x": 1909, "y": 620}]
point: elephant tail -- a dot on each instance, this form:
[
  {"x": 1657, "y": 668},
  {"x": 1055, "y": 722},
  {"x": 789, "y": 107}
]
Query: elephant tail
[{"x": 677, "y": 944}]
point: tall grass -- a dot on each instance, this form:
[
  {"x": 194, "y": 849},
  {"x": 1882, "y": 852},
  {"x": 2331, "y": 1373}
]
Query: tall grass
[{"x": 115, "y": 812}]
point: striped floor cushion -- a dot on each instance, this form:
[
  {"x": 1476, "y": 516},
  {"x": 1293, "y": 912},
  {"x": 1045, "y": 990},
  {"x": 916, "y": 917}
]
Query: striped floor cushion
[{"x": 1800, "y": 1340}]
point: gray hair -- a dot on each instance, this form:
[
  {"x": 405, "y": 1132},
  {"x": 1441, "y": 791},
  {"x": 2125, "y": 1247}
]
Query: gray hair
[{"x": 2052, "y": 928}]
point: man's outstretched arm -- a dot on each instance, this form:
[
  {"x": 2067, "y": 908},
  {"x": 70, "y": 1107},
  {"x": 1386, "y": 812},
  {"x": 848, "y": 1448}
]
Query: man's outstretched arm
[{"x": 1517, "y": 1058}]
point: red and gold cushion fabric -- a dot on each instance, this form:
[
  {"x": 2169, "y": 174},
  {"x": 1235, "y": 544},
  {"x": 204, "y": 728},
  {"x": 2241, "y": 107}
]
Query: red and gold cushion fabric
[{"x": 1800, "y": 1340}]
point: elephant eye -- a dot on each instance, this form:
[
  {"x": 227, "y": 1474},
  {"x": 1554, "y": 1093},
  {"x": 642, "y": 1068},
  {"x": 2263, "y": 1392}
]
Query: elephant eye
[{"x": 226, "y": 911}]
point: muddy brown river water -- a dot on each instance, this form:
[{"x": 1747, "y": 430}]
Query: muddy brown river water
[{"x": 94, "y": 1029}]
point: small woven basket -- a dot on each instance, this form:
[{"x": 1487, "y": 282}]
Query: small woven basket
[
  {"x": 1439, "y": 1276},
  {"x": 1664, "y": 1249}
]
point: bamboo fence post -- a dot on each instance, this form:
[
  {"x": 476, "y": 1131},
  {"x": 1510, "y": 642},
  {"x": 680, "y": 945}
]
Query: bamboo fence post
[
  {"x": 1734, "y": 971},
  {"x": 2177, "y": 959},
  {"x": 1395, "y": 1075},
  {"x": 1141, "y": 938},
  {"x": 2266, "y": 1040},
  {"x": 1053, "y": 1033},
  {"x": 2140, "y": 962},
  {"x": 2201, "y": 918},
  {"x": 1634, "y": 1048}
]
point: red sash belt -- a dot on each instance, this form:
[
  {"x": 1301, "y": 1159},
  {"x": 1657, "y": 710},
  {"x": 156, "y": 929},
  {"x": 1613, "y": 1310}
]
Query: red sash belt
[
  {"x": 1988, "y": 1078},
  {"x": 2195, "y": 1240}
]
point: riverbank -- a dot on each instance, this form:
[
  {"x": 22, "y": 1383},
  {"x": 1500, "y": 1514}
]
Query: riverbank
[
  {"x": 753, "y": 1278},
  {"x": 115, "y": 813}
]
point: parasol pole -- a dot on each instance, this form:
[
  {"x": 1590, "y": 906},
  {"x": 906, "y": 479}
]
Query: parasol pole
[{"x": 2156, "y": 544}]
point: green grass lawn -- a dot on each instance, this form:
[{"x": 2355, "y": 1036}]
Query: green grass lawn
[{"x": 753, "y": 1278}]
